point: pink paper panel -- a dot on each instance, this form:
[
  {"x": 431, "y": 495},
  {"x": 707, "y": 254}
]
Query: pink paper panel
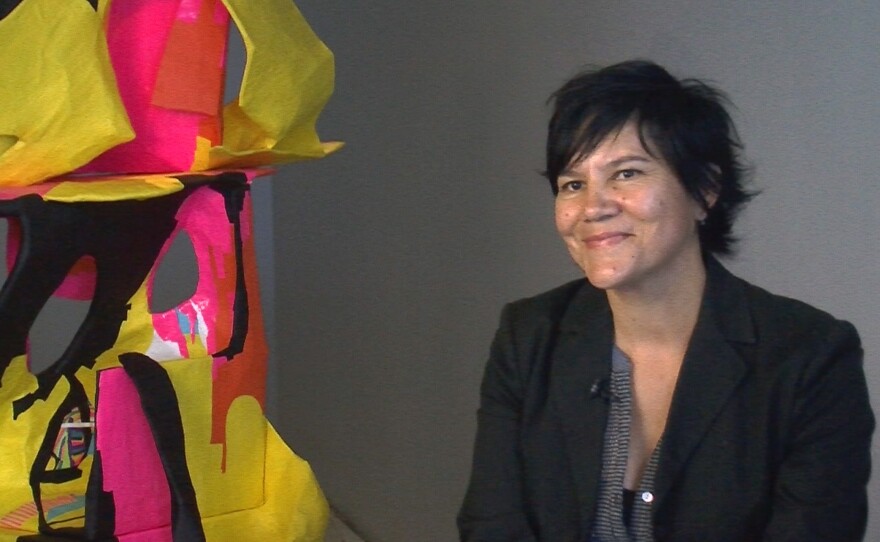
[
  {"x": 132, "y": 469},
  {"x": 166, "y": 80}
]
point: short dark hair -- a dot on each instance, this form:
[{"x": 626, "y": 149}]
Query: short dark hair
[{"x": 686, "y": 121}]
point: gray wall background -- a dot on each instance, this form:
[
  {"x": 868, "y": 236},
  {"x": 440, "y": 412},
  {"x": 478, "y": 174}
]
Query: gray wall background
[{"x": 394, "y": 256}]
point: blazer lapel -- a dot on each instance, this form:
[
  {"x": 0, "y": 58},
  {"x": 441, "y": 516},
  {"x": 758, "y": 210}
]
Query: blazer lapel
[
  {"x": 581, "y": 364},
  {"x": 710, "y": 372}
]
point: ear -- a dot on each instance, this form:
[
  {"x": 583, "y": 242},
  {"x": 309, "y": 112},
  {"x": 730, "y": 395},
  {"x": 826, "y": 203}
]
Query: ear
[
  {"x": 710, "y": 194},
  {"x": 710, "y": 197},
  {"x": 702, "y": 211}
]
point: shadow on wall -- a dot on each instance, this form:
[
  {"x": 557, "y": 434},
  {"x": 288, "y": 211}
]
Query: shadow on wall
[{"x": 338, "y": 531}]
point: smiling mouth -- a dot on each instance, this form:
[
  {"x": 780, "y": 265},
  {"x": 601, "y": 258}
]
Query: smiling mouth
[{"x": 605, "y": 240}]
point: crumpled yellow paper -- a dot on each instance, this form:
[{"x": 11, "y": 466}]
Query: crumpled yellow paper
[
  {"x": 60, "y": 107},
  {"x": 65, "y": 107},
  {"x": 287, "y": 80}
]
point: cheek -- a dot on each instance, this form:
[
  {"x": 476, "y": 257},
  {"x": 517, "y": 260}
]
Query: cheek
[
  {"x": 648, "y": 210},
  {"x": 660, "y": 208},
  {"x": 565, "y": 219},
  {"x": 674, "y": 218}
]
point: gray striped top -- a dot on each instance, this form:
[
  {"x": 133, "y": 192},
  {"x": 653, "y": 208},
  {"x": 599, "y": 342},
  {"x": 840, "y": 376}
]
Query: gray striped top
[{"x": 609, "y": 524}]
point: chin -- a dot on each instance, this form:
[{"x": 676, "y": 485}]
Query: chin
[{"x": 605, "y": 280}]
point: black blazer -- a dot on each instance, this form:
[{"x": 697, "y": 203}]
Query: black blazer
[{"x": 768, "y": 436}]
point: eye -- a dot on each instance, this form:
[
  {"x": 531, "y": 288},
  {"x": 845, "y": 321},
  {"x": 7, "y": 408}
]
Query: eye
[
  {"x": 625, "y": 174},
  {"x": 571, "y": 186}
]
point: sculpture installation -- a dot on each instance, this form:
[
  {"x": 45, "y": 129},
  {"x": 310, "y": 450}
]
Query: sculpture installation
[{"x": 113, "y": 142}]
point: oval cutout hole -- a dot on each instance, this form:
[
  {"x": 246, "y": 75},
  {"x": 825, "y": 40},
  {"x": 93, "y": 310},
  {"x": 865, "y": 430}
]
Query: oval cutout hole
[
  {"x": 176, "y": 276},
  {"x": 54, "y": 330}
]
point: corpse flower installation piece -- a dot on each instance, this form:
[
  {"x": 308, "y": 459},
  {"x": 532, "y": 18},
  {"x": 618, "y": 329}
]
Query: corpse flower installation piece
[{"x": 113, "y": 142}]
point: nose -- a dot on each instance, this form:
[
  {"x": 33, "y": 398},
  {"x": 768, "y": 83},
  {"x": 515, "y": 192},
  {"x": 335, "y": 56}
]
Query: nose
[{"x": 598, "y": 203}]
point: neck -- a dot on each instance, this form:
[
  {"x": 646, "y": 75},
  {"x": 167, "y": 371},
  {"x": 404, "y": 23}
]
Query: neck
[{"x": 661, "y": 316}]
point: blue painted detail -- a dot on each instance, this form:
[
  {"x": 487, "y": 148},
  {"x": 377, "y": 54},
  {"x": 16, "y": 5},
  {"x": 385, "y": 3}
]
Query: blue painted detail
[
  {"x": 61, "y": 509},
  {"x": 183, "y": 322}
]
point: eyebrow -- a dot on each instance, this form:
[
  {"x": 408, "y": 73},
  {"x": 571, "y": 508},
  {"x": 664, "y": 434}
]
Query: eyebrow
[
  {"x": 567, "y": 172},
  {"x": 627, "y": 158}
]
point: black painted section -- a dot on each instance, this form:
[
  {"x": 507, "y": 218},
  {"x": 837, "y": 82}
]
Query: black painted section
[
  {"x": 159, "y": 403},
  {"x": 234, "y": 195},
  {"x": 6, "y": 7}
]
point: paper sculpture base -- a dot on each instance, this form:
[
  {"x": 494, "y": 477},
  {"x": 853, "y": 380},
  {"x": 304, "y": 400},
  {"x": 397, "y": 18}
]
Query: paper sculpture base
[
  {"x": 294, "y": 507},
  {"x": 150, "y": 427}
]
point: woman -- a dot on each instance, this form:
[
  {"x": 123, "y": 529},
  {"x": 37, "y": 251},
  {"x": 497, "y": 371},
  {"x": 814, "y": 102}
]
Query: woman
[{"x": 663, "y": 398}]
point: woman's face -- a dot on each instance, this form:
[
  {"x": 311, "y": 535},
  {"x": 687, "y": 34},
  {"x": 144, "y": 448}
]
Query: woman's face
[{"x": 626, "y": 218}]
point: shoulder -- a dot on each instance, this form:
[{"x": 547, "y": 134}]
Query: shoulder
[
  {"x": 795, "y": 346},
  {"x": 749, "y": 313},
  {"x": 567, "y": 304},
  {"x": 530, "y": 327},
  {"x": 551, "y": 303},
  {"x": 793, "y": 321},
  {"x": 523, "y": 342}
]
